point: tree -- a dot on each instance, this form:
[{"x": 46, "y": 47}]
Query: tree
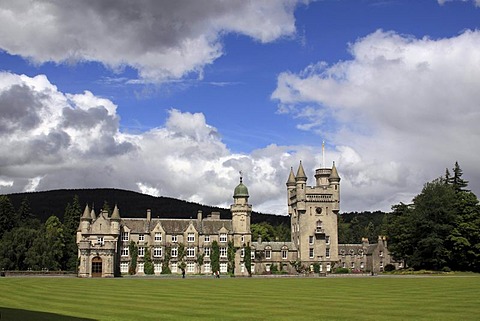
[
  {"x": 7, "y": 215},
  {"x": 48, "y": 248},
  {"x": 14, "y": 246},
  {"x": 248, "y": 259},
  {"x": 215, "y": 257},
  {"x": 458, "y": 183},
  {"x": 25, "y": 215},
  {"x": 133, "y": 249},
  {"x": 148, "y": 267},
  {"x": 231, "y": 250},
  {"x": 71, "y": 220}
]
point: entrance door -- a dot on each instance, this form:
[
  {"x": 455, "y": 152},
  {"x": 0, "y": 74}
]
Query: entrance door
[{"x": 97, "y": 267}]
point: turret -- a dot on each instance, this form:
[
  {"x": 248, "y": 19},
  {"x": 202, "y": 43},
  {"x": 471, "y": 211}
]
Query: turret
[
  {"x": 301, "y": 182},
  {"x": 85, "y": 220},
  {"x": 115, "y": 220}
]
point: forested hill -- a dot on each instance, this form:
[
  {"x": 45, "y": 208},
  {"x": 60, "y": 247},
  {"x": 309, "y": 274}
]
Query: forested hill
[{"x": 131, "y": 204}]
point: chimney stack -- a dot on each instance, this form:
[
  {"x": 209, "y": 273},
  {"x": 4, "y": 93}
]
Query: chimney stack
[{"x": 149, "y": 215}]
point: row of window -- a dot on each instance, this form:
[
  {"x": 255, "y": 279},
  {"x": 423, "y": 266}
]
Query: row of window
[
  {"x": 157, "y": 267},
  {"x": 158, "y": 237},
  {"x": 158, "y": 252},
  {"x": 311, "y": 253}
]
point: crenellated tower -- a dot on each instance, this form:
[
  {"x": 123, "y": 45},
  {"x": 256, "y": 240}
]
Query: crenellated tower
[{"x": 313, "y": 212}]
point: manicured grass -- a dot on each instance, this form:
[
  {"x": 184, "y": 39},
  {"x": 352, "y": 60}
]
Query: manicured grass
[{"x": 331, "y": 298}]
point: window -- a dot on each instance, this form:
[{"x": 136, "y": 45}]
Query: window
[
  {"x": 223, "y": 267},
  {"x": 140, "y": 267},
  {"x": 174, "y": 252},
  {"x": 327, "y": 252},
  {"x": 242, "y": 267},
  {"x": 268, "y": 254},
  {"x": 310, "y": 252},
  {"x": 243, "y": 239},
  {"x": 174, "y": 239},
  {"x": 352, "y": 265},
  {"x": 191, "y": 237},
  {"x": 252, "y": 268},
  {"x": 124, "y": 251},
  {"x": 252, "y": 254},
  {"x": 191, "y": 267},
  {"x": 223, "y": 252},
  {"x": 206, "y": 268},
  {"x": 124, "y": 267},
  {"x": 242, "y": 252},
  {"x": 141, "y": 237},
  {"x": 344, "y": 265},
  {"x": 190, "y": 252},
  {"x": 329, "y": 267},
  {"x": 100, "y": 240},
  {"x": 267, "y": 267},
  {"x": 157, "y": 251},
  {"x": 158, "y": 237},
  {"x": 311, "y": 239},
  {"x": 327, "y": 239},
  {"x": 206, "y": 251},
  {"x": 141, "y": 251},
  {"x": 174, "y": 268},
  {"x": 284, "y": 254},
  {"x": 207, "y": 238},
  {"x": 124, "y": 236},
  {"x": 157, "y": 267},
  {"x": 381, "y": 253},
  {"x": 223, "y": 237},
  {"x": 362, "y": 265},
  {"x": 381, "y": 264}
]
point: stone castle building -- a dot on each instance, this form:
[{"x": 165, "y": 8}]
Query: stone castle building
[{"x": 104, "y": 242}]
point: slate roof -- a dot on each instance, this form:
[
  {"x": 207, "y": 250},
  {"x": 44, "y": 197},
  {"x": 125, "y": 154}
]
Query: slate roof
[{"x": 177, "y": 226}]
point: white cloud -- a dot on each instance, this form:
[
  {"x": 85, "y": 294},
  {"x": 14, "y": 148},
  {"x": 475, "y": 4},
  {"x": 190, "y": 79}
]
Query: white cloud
[
  {"x": 400, "y": 111},
  {"x": 162, "y": 40},
  {"x": 54, "y": 140}
]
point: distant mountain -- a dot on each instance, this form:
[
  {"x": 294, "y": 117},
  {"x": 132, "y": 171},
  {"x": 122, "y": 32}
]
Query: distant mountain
[{"x": 131, "y": 204}]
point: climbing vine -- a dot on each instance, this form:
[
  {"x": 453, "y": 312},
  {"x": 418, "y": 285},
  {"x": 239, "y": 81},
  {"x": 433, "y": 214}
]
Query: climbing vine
[
  {"x": 215, "y": 257},
  {"x": 133, "y": 249},
  {"x": 231, "y": 257},
  {"x": 248, "y": 259}
]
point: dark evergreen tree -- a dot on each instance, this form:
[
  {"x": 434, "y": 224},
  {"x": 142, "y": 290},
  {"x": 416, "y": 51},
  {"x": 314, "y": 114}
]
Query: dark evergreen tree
[
  {"x": 457, "y": 181},
  {"x": 47, "y": 250},
  {"x": 25, "y": 215},
  {"x": 215, "y": 257},
  {"x": 8, "y": 217},
  {"x": 71, "y": 220}
]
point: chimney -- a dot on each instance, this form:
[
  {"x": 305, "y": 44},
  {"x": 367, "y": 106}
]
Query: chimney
[
  {"x": 364, "y": 241},
  {"x": 199, "y": 215},
  {"x": 149, "y": 214},
  {"x": 215, "y": 215},
  {"x": 259, "y": 240}
]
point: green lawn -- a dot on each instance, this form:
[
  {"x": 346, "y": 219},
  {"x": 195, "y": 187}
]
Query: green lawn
[{"x": 331, "y": 298}]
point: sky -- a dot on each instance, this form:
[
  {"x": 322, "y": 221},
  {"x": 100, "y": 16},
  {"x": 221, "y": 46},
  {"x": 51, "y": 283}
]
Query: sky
[{"x": 175, "y": 98}]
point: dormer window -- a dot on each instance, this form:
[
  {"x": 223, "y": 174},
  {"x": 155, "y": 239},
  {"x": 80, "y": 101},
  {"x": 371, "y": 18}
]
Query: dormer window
[
  {"x": 100, "y": 240},
  {"x": 141, "y": 238},
  {"x": 223, "y": 237}
]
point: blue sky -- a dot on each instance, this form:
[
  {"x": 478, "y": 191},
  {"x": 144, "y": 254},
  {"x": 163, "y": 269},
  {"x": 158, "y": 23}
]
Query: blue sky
[{"x": 175, "y": 98}]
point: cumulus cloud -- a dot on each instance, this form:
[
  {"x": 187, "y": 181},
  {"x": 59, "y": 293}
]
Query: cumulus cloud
[
  {"x": 162, "y": 40},
  {"x": 59, "y": 140},
  {"x": 400, "y": 111}
]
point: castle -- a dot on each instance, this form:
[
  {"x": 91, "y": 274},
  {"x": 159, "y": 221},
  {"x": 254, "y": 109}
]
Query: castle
[{"x": 104, "y": 242}]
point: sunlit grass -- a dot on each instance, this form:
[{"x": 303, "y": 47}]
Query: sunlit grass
[{"x": 343, "y": 298}]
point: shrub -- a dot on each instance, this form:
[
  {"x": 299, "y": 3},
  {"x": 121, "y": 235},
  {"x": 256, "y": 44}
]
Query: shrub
[
  {"x": 341, "y": 270},
  {"x": 389, "y": 268}
]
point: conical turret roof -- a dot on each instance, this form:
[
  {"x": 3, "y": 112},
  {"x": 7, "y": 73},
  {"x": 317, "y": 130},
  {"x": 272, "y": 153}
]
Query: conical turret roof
[
  {"x": 334, "y": 174},
  {"x": 116, "y": 213},
  {"x": 301, "y": 172},
  {"x": 291, "y": 178},
  {"x": 93, "y": 215},
  {"x": 86, "y": 213}
]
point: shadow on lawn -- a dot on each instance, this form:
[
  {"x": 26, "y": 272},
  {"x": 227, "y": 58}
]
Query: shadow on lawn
[{"x": 7, "y": 314}]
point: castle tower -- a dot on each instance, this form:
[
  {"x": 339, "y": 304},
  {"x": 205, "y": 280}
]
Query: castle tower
[
  {"x": 241, "y": 212},
  {"x": 313, "y": 212}
]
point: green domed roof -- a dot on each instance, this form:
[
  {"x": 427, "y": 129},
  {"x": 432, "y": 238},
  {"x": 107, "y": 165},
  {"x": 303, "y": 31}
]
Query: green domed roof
[{"x": 241, "y": 190}]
